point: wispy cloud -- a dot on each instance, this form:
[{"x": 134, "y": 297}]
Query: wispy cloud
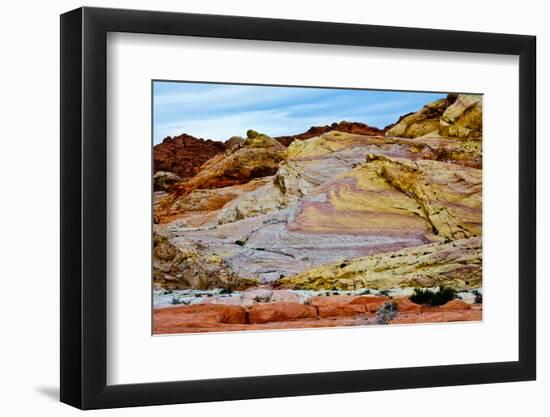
[{"x": 218, "y": 112}]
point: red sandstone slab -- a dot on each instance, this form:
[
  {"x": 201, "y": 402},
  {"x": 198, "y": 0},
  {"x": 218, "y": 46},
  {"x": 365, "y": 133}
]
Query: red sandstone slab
[{"x": 280, "y": 311}]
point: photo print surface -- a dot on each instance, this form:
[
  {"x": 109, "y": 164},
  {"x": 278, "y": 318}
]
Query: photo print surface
[{"x": 282, "y": 207}]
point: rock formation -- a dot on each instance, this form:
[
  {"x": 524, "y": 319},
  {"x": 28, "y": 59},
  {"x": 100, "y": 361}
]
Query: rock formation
[
  {"x": 163, "y": 181},
  {"x": 300, "y": 223},
  {"x": 454, "y": 264},
  {"x": 182, "y": 154},
  {"x": 343, "y": 126},
  {"x": 457, "y": 116}
]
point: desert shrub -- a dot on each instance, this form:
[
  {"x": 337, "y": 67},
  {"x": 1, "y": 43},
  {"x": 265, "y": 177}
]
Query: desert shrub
[
  {"x": 434, "y": 298},
  {"x": 386, "y": 313},
  {"x": 385, "y": 293},
  {"x": 366, "y": 291},
  {"x": 259, "y": 299},
  {"x": 226, "y": 291},
  {"x": 240, "y": 242},
  {"x": 176, "y": 301}
]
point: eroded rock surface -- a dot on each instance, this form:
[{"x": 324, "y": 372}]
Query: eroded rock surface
[
  {"x": 344, "y": 207},
  {"x": 454, "y": 264},
  {"x": 337, "y": 311},
  {"x": 458, "y": 116},
  {"x": 182, "y": 154}
]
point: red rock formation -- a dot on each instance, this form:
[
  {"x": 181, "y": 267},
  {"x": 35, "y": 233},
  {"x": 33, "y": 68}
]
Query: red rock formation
[
  {"x": 280, "y": 311},
  {"x": 258, "y": 157},
  {"x": 182, "y": 317},
  {"x": 347, "y": 127},
  {"x": 182, "y": 154},
  {"x": 330, "y": 311}
]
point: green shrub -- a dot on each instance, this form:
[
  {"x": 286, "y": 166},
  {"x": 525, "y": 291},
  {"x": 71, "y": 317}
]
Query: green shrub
[
  {"x": 226, "y": 291},
  {"x": 434, "y": 298},
  {"x": 385, "y": 293}
]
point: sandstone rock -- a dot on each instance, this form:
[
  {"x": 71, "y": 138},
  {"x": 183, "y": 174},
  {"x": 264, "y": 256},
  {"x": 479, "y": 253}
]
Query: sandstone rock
[
  {"x": 438, "y": 317},
  {"x": 233, "y": 144},
  {"x": 341, "y": 310},
  {"x": 425, "y": 121},
  {"x": 260, "y": 157},
  {"x": 182, "y": 154},
  {"x": 281, "y": 311},
  {"x": 368, "y": 299},
  {"x": 343, "y": 126},
  {"x": 456, "y": 305},
  {"x": 405, "y": 304},
  {"x": 371, "y": 303},
  {"x": 287, "y": 296},
  {"x": 383, "y": 205},
  {"x": 338, "y": 209},
  {"x": 255, "y": 295},
  {"x": 457, "y": 116},
  {"x": 182, "y": 267},
  {"x": 199, "y": 313},
  {"x": 264, "y": 199},
  {"x": 463, "y": 119},
  {"x": 202, "y": 206},
  {"x": 163, "y": 181},
  {"x": 448, "y": 194},
  {"x": 346, "y": 305},
  {"x": 320, "y": 301},
  {"x": 455, "y": 264}
]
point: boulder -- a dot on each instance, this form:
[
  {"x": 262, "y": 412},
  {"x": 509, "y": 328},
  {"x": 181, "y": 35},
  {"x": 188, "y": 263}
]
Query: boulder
[{"x": 163, "y": 180}]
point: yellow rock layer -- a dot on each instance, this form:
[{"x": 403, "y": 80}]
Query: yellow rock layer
[{"x": 454, "y": 264}]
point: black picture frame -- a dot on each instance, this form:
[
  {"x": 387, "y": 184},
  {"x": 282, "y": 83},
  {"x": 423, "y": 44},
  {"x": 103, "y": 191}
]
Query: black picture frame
[{"x": 84, "y": 207}]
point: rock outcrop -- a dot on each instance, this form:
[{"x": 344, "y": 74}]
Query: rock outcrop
[
  {"x": 183, "y": 154},
  {"x": 334, "y": 311},
  {"x": 256, "y": 157},
  {"x": 457, "y": 116},
  {"x": 163, "y": 180},
  {"x": 179, "y": 266},
  {"x": 343, "y": 126},
  {"x": 454, "y": 264}
]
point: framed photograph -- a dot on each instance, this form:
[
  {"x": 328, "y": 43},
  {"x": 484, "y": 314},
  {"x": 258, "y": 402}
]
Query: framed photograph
[{"x": 258, "y": 208}]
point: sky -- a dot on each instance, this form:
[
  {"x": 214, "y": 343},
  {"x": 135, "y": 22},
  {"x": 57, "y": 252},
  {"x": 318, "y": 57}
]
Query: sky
[{"x": 220, "y": 111}]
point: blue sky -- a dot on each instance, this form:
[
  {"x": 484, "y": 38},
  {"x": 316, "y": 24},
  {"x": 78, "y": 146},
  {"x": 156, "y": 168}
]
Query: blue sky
[{"x": 219, "y": 111}]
